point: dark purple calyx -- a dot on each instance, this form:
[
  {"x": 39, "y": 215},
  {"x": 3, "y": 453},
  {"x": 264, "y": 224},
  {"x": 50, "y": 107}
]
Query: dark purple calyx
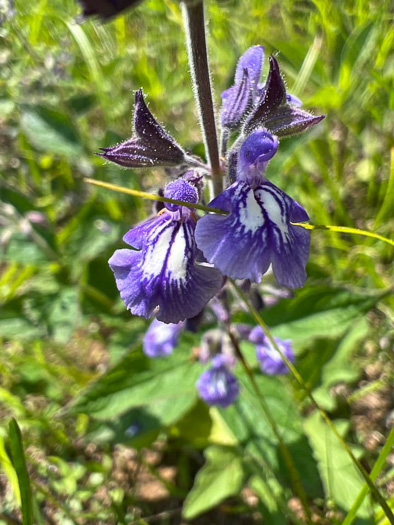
[{"x": 150, "y": 145}]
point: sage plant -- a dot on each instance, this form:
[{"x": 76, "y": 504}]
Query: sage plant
[{"x": 179, "y": 262}]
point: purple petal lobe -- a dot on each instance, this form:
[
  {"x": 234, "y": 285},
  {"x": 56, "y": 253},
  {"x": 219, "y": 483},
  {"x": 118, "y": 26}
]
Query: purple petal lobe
[
  {"x": 150, "y": 145},
  {"x": 236, "y": 102},
  {"x": 270, "y": 360},
  {"x": 218, "y": 386},
  {"x": 163, "y": 277},
  {"x": 292, "y": 99},
  {"x": 160, "y": 338},
  {"x": 254, "y": 154},
  {"x": 256, "y": 233},
  {"x": 252, "y": 61}
]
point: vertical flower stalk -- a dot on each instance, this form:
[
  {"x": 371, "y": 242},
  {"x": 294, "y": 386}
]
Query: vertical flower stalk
[{"x": 193, "y": 15}]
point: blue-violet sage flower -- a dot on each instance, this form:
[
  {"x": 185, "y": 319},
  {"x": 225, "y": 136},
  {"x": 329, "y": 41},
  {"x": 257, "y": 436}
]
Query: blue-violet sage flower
[
  {"x": 270, "y": 360},
  {"x": 161, "y": 338},
  {"x": 257, "y": 231},
  {"x": 162, "y": 277},
  {"x": 218, "y": 385}
]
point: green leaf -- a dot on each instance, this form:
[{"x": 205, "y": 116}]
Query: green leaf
[
  {"x": 254, "y": 433},
  {"x": 19, "y": 464},
  {"x": 318, "y": 311},
  {"x": 63, "y": 315},
  {"x": 165, "y": 387},
  {"x": 341, "y": 478},
  {"x": 340, "y": 367},
  {"x": 50, "y": 130},
  {"x": 220, "y": 477}
]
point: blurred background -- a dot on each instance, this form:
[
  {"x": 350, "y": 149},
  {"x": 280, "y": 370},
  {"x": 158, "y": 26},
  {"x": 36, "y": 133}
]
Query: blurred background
[{"x": 67, "y": 89}]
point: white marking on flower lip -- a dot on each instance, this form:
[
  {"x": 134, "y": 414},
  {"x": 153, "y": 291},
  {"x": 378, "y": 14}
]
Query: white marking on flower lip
[
  {"x": 177, "y": 259},
  {"x": 159, "y": 244},
  {"x": 274, "y": 211},
  {"x": 250, "y": 214}
]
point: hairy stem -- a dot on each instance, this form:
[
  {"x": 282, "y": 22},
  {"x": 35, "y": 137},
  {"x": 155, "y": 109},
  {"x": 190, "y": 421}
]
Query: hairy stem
[{"x": 193, "y": 14}]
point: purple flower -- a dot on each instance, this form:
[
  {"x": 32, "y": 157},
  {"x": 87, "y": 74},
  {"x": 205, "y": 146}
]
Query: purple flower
[
  {"x": 257, "y": 231},
  {"x": 268, "y": 105},
  {"x": 237, "y": 101},
  {"x": 161, "y": 338},
  {"x": 218, "y": 385},
  {"x": 150, "y": 144},
  {"x": 271, "y": 361},
  {"x": 161, "y": 275}
]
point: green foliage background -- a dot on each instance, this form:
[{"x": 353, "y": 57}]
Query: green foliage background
[{"x": 66, "y": 90}]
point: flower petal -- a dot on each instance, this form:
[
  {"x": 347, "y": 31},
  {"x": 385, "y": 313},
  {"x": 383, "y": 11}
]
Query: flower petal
[
  {"x": 160, "y": 338},
  {"x": 164, "y": 274},
  {"x": 252, "y": 61},
  {"x": 257, "y": 232},
  {"x": 218, "y": 385},
  {"x": 236, "y": 102}
]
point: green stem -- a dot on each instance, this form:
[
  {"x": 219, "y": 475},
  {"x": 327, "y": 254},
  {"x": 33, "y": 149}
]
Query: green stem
[
  {"x": 351, "y": 515},
  {"x": 301, "y": 382},
  {"x": 343, "y": 229},
  {"x": 294, "y": 476}
]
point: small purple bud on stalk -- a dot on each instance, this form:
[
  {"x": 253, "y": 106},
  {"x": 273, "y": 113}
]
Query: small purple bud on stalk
[
  {"x": 238, "y": 100},
  {"x": 150, "y": 145},
  {"x": 218, "y": 386},
  {"x": 161, "y": 338},
  {"x": 270, "y": 360}
]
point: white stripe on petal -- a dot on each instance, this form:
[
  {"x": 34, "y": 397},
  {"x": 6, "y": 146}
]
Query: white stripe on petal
[
  {"x": 250, "y": 214},
  {"x": 178, "y": 258},
  {"x": 157, "y": 249}
]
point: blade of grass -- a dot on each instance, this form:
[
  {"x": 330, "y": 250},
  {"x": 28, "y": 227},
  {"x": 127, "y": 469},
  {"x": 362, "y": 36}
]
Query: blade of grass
[
  {"x": 19, "y": 463},
  {"x": 92, "y": 63},
  {"x": 375, "y": 491},
  {"x": 352, "y": 514},
  {"x": 387, "y": 204},
  {"x": 343, "y": 229},
  {"x": 137, "y": 193}
]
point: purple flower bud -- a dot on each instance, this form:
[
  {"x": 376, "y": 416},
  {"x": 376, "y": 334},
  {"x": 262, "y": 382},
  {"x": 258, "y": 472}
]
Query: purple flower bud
[
  {"x": 218, "y": 385},
  {"x": 149, "y": 145},
  {"x": 254, "y": 154},
  {"x": 237, "y": 101},
  {"x": 161, "y": 338},
  {"x": 182, "y": 191},
  {"x": 271, "y": 361},
  {"x": 252, "y": 61}
]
